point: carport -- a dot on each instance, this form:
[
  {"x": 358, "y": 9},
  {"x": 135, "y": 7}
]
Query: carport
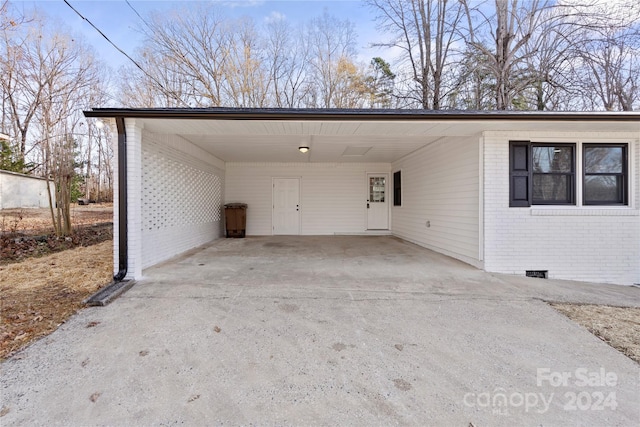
[{"x": 440, "y": 179}]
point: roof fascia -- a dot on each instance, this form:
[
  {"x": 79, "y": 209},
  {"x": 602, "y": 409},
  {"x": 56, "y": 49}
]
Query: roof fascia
[{"x": 355, "y": 115}]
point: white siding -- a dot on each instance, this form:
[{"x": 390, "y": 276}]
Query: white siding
[
  {"x": 572, "y": 242},
  {"x": 440, "y": 184},
  {"x": 333, "y": 195},
  {"x": 181, "y": 201}
]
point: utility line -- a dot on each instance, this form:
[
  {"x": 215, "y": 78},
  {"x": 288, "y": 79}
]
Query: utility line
[
  {"x": 128, "y": 57},
  {"x": 139, "y": 16}
]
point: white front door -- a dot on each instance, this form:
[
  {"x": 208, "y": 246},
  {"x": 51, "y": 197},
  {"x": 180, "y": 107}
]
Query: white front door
[
  {"x": 377, "y": 202},
  {"x": 286, "y": 206}
]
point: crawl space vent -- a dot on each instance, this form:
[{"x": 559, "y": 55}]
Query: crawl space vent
[{"x": 538, "y": 274}]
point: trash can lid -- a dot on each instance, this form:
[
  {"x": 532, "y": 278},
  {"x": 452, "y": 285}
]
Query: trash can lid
[{"x": 236, "y": 205}]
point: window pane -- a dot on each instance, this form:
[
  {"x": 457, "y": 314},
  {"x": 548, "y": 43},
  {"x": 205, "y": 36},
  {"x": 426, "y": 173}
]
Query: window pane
[
  {"x": 603, "y": 188},
  {"x": 552, "y": 159},
  {"x": 550, "y": 188},
  {"x": 376, "y": 189},
  {"x": 603, "y": 159}
]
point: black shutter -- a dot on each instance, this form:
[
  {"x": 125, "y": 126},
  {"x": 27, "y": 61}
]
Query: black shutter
[{"x": 520, "y": 185}]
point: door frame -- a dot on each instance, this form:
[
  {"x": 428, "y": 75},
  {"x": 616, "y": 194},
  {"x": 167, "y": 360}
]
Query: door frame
[
  {"x": 366, "y": 194},
  {"x": 273, "y": 190}
]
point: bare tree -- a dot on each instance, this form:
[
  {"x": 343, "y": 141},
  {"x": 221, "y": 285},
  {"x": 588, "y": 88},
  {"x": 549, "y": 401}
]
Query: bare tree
[
  {"x": 331, "y": 40},
  {"x": 91, "y": 147},
  {"x": 501, "y": 39},
  {"x": 21, "y": 91},
  {"x": 10, "y": 22},
  {"x": 247, "y": 76},
  {"x": 70, "y": 75},
  {"x": 425, "y": 31},
  {"x": 611, "y": 66},
  {"x": 198, "y": 57},
  {"x": 47, "y": 75},
  {"x": 160, "y": 85},
  {"x": 10, "y": 18},
  {"x": 288, "y": 67},
  {"x": 185, "y": 55}
]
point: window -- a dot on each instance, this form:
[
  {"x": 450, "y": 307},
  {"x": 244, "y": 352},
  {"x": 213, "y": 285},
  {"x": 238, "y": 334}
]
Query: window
[
  {"x": 605, "y": 174},
  {"x": 397, "y": 189},
  {"x": 541, "y": 174},
  {"x": 377, "y": 188},
  {"x": 553, "y": 174},
  {"x": 545, "y": 174}
]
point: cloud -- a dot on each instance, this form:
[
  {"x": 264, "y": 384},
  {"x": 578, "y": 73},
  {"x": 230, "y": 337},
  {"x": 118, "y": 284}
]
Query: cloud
[{"x": 275, "y": 17}]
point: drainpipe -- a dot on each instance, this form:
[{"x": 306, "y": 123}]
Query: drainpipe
[{"x": 123, "y": 251}]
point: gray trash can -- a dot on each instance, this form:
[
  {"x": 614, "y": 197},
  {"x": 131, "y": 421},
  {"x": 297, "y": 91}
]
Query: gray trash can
[{"x": 235, "y": 218}]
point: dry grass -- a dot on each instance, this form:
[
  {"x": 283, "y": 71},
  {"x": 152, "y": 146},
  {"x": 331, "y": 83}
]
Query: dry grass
[
  {"x": 38, "y": 294},
  {"x": 39, "y": 220},
  {"x": 617, "y": 326}
]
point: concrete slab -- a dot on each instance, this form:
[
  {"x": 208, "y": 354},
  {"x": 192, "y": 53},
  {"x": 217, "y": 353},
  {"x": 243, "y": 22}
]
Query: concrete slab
[{"x": 326, "y": 331}]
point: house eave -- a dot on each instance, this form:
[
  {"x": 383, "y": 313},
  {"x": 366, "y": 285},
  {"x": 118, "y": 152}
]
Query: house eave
[{"x": 355, "y": 114}]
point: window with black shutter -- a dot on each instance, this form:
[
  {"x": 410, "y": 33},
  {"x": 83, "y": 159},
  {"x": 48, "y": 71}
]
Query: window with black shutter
[{"x": 541, "y": 174}]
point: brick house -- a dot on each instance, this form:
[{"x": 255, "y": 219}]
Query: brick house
[{"x": 510, "y": 192}]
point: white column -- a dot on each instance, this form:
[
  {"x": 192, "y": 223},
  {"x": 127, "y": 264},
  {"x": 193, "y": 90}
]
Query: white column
[{"x": 134, "y": 197}]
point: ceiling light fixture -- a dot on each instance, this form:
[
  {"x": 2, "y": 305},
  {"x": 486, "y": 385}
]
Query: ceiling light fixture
[{"x": 303, "y": 149}]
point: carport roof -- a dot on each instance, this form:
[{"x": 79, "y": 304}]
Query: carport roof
[
  {"x": 349, "y": 136},
  {"x": 354, "y": 114}
]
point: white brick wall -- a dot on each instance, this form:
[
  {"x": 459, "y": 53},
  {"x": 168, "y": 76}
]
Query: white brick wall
[
  {"x": 134, "y": 196},
  {"x": 440, "y": 184},
  {"x": 332, "y": 195},
  {"x": 181, "y": 197},
  {"x": 578, "y": 243},
  {"x": 134, "y": 265}
]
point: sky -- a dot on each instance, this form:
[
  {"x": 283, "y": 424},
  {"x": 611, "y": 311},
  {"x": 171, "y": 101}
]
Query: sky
[{"x": 118, "y": 21}]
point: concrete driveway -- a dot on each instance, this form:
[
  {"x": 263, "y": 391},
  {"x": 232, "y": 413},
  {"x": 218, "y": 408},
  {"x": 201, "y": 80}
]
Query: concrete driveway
[{"x": 326, "y": 331}]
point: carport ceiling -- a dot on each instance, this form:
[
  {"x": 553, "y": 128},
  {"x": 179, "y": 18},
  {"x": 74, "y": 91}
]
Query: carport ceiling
[
  {"x": 274, "y": 135},
  {"x": 383, "y": 141},
  {"x": 329, "y": 141},
  {"x": 322, "y": 148}
]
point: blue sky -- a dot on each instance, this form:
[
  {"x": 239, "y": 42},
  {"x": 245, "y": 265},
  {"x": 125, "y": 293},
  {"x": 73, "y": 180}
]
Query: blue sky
[{"x": 119, "y": 22}]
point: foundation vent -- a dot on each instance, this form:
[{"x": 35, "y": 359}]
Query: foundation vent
[{"x": 538, "y": 274}]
